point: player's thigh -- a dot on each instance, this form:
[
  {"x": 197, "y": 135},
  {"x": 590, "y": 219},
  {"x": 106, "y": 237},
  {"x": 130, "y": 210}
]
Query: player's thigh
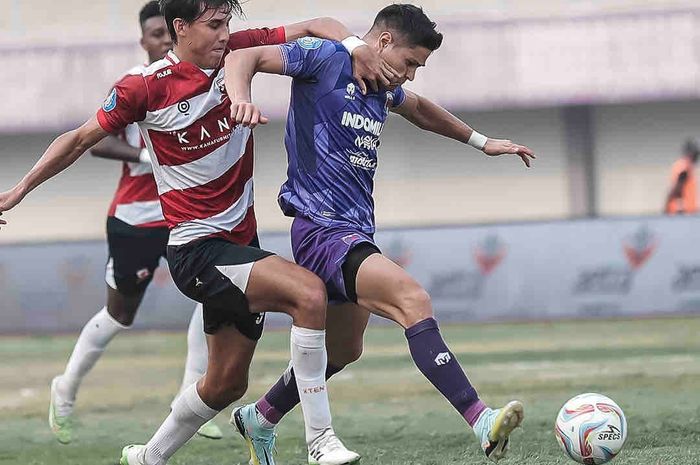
[
  {"x": 276, "y": 284},
  {"x": 386, "y": 289},
  {"x": 345, "y": 328},
  {"x": 134, "y": 255},
  {"x": 216, "y": 273}
]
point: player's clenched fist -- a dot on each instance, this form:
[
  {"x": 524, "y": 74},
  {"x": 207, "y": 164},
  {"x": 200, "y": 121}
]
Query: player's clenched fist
[
  {"x": 8, "y": 200},
  {"x": 247, "y": 114},
  {"x": 495, "y": 147}
]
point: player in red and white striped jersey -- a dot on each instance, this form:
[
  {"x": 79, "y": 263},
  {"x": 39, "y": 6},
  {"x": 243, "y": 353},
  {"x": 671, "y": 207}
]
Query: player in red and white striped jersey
[
  {"x": 137, "y": 237},
  {"x": 203, "y": 169}
]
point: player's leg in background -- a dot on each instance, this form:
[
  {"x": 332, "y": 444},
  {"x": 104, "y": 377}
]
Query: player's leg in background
[
  {"x": 134, "y": 256},
  {"x": 388, "y": 290},
  {"x": 91, "y": 344},
  {"x": 196, "y": 362},
  {"x": 196, "y": 365},
  {"x": 117, "y": 316},
  {"x": 345, "y": 327}
]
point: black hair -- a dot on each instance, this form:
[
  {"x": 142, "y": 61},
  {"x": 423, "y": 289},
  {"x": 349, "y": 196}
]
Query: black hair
[
  {"x": 412, "y": 23},
  {"x": 191, "y": 10},
  {"x": 149, "y": 10},
  {"x": 691, "y": 148}
]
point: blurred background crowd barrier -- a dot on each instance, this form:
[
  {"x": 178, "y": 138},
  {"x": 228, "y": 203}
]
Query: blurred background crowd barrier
[{"x": 499, "y": 272}]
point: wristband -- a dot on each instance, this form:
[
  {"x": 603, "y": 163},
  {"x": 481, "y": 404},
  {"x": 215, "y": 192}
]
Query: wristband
[
  {"x": 351, "y": 43},
  {"x": 144, "y": 156},
  {"x": 477, "y": 140}
]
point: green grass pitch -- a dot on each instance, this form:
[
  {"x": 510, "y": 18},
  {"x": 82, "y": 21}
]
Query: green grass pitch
[{"x": 383, "y": 407}]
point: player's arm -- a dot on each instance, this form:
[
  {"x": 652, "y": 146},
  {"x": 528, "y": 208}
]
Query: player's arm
[
  {"x": 367, "y": 66},
  {"x": 240, "y": 67},
  {"x": 432, "y": 117},
  {"x": 62, "y": 153},
  {"x": 114, "y": 148},
  {"x": 676, "y": 191}
]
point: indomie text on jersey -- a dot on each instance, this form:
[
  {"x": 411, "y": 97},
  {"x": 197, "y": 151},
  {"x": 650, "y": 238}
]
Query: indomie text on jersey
[{"x": 355, "y": 121}]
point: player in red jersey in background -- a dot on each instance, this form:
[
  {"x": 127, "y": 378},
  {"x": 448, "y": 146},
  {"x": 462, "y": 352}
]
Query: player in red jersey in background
[
  {"x": 137, "y": 237},
  {"x": 203, "y": 169}
]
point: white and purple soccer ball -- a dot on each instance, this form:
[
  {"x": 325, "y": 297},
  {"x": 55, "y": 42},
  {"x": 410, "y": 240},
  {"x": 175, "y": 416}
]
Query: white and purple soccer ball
[{"x": 591, "y": 429}]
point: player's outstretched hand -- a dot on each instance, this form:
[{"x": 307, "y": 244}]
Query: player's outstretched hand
[
  {"x": 368, "y": 67},
  {"x": 496, "y": 147},
  {"x": 247, "y": 114},
  {"x": 8, "y": 200}
]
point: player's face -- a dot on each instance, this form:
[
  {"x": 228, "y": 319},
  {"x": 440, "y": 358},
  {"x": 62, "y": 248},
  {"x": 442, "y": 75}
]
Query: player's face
[
  {"x": 405, "y": 60},
  {"x": 156, "y": 38},
  {"x": 207, "y": 37}
]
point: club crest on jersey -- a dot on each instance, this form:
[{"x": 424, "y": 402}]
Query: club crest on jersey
[
  {"x": 310, "y": 43},
  {"x": 110, "y": 102},
  {"x": 389, "y": 102},
  {"x": 220, "y": 84}
]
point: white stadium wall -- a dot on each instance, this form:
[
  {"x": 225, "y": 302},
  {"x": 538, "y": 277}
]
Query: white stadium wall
[{"x": 422, "y": 179}]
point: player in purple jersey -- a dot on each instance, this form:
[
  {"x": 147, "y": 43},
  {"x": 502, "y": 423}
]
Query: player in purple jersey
[{"x": 332, "y": 138}]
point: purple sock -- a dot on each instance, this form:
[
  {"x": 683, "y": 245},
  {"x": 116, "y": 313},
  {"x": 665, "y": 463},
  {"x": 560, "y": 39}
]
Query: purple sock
[
  {"x": 283, "y": 396},
  {"x": 438, "y": 364}
]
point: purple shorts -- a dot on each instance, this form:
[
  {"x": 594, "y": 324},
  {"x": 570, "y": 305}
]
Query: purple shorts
[{"x": 323, "y": 250}]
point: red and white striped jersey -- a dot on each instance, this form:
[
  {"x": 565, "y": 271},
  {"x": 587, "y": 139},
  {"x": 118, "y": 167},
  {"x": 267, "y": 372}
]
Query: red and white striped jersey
[
  {"x": 203, "y": 163},
  {"x": 136, "y": 200}
]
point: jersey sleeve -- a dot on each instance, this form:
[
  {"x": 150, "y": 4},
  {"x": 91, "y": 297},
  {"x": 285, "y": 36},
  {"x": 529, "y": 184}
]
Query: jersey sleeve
[
  {"x": 125, "y": 104},
  {"x": 399, "y": 97},
  {"x": 257, "y": 37},
  {"x": 305, "y": 57}
]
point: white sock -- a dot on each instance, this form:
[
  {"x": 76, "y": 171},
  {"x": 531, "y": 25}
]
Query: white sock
[
  {"x": 197, "y": 353},
  {"x": 189, "y": 413},
  {"x": 91, "y": 344},
  {"x": 309, "y": 361}
]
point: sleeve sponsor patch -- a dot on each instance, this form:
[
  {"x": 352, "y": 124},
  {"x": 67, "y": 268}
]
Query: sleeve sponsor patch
[
  {"x": 110, "y": 102},
  {"x": 310, "y": 43}
]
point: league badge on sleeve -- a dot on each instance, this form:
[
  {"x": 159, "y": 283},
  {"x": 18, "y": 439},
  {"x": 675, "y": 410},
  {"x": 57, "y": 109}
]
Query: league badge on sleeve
[
  {"x": 310, "y": 43},
  {"x": 110, "y": 102}
]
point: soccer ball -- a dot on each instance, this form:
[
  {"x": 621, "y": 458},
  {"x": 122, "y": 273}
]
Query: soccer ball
[{"x": 591, "y": 429}]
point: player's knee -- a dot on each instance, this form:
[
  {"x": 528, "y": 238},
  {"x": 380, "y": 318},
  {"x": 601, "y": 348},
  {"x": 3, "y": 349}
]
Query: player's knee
[
  {"x": 311, "y": 300},
  {"x": 221, "y": 394},
  {"x": 415, "y": 305},
  {"x": 349, "y": 354},
  {"x": 122, "y": 316},
  {"x": 353, "y": 354}
]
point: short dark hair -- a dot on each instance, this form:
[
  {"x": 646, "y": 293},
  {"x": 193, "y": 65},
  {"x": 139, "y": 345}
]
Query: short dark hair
[
  {"x": 149, "y": 10},
  {"x": 412, "y": 23},
  {"x": 691, "y": 148},
  {"x": 191, "y": 10}
]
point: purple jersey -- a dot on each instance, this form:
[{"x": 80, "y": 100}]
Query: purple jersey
[{"x": 332, "y": 137}]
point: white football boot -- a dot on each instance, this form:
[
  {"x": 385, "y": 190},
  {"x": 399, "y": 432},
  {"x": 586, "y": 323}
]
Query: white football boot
[
  {"x": 60, "y": 415},
  {"x": 133, "y": 455},
  {"x": 328, "y": 450}
]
